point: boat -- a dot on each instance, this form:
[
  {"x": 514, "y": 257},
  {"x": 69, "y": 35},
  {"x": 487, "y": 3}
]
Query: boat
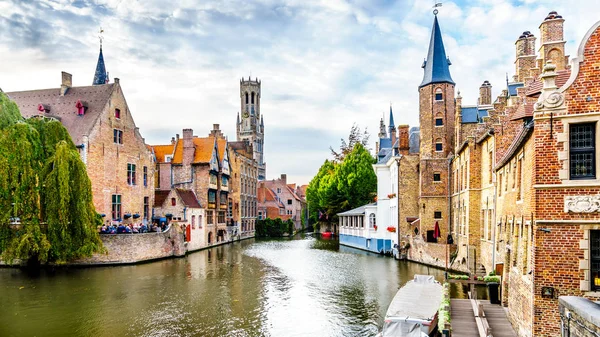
[
  {"x": 413, "y": 311},
  {"x": 327, "y": 234}
]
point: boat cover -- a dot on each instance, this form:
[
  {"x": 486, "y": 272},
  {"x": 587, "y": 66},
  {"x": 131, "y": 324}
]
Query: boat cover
[{"x": 415, "y": 304}]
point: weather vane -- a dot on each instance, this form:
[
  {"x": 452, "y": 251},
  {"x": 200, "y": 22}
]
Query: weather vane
[
  {"x": 100, "y": 36},
  {"x": 436, "y": 4}
]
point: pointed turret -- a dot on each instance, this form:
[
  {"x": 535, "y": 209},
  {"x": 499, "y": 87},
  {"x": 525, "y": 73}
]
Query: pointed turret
[
  {"x": 437, "y": 65},
  {"x": 392, "y": 126},
  {"x": 101, "y": 76}
]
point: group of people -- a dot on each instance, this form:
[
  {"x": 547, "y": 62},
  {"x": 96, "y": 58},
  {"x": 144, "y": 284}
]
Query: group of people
[{"x": 120, "y": 228}]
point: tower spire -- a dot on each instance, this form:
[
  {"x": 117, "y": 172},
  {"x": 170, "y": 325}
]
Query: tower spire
[
  {"x": 392, "y": 127},
  {"x": 437, "y": 65},
  {"x": 100, "y": 76}
]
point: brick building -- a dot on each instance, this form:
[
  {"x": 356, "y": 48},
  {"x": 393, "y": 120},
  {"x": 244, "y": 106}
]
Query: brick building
[
  {"x": 244, "y": 181},
  {"x": 277, "y": 195},
  {"x": 118, "y": 162},
  {"x": 514, "y": 180}
]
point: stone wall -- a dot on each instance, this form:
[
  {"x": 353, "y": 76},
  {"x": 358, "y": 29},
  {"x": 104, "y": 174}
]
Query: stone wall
[
  {"x": 580, "y": 317},
  {"x": 134, "y": 248},
  {"x": 433, "y": 254}
]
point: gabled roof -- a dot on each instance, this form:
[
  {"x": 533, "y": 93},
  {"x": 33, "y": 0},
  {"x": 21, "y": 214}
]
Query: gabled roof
[
  {"x": 437, "y": 65},
  {"x": 189, "y": 198},
  {"x": 63, "y": 108},
  {"x": 160, "y": 197},
  {"x": 160, "y": 151},
  {"x": 536, "y": 86},
  {"x": 221, "y": 145},
  {"x": 203, "y": 150},
  {"x": 100, "y": 76},
  {"x": 516, "y": 145}
]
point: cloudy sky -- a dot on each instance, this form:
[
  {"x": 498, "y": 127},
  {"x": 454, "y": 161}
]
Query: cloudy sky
[{"x": 324, "y": 65}]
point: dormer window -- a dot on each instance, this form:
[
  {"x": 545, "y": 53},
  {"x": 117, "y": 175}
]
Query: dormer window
[
  {"x": 43, "y": 108},
  {"x": 81, "y": 108},
  {"x": 168, "y": 158},
  {"x": 438, "y": 94},
  {"x": 118, "y": 113}
]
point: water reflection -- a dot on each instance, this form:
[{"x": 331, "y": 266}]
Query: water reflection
[{"x": 300, "y": 287}]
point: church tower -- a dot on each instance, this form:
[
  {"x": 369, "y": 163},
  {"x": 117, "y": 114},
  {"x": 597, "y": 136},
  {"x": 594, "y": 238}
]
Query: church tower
[
  {"x": 100, "y": 76},
  {"x": 251, "y": 126},
  {"x": 436, "y": 117}
]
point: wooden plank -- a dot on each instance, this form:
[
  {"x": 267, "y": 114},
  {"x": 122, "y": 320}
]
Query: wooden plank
[
  {"x": 498, "y": 320},
  {"x": 463, "y": 318}
]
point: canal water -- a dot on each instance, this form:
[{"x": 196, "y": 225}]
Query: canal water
[{"x": 289, "y": 287}]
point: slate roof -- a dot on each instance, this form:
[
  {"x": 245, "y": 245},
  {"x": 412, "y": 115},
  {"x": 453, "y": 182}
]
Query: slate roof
[
  {"x": 100, "y": 76},
  {"x": 189, "y": 198},
  {"x": 516, "y": 144},
  {"x": 63, "y": 107},
  {"x": 437, "y": 65},
  {"x": 473, "y": 114},
  {"x": 414, "y": 140},
  {"x": 524, "y": 110},
  {"x": 512, "y": 88}
]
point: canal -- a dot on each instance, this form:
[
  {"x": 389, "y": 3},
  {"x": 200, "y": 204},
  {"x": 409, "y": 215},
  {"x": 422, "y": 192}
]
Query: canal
[{"x": 290, "y": 287}]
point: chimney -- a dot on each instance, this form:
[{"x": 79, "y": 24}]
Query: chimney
[
  {"x": 117, "y": 80},
  {"x": 485, "y": 93},
  {"x": 525, "y": 55},
  {"x": 172, "y": 140},
  {"x": 284, "y": 178},
  {"x": 553, "y": 41},
  {"x": 393, "y": 137},
  {"x": 188, "y": 146},
  {"x": 403, "y": 143},
  {"x": 67, "y": 82}
]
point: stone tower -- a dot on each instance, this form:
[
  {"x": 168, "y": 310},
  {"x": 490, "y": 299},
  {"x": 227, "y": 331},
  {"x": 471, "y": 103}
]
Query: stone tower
[
  {"x": 552, "y": 41},
  {"x": 251, "y": 125},
  {"x": 525, "y": 56},
  {"x": 436, "y": 117}
]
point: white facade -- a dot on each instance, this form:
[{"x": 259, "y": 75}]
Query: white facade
[{"x": 387, "y": 198}]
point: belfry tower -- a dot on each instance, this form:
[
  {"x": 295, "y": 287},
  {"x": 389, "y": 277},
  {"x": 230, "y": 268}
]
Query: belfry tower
[
  {"x": 436, "y": 117},
  {"x": 251, "y": 126}
]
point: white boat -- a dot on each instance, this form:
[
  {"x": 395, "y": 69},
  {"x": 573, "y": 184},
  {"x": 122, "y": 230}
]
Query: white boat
[{"x": 413, "y": 311}]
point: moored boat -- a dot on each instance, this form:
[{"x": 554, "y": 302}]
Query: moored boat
[{"x": 413, "y": 311}]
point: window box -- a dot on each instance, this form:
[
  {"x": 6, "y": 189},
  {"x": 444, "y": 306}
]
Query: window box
[
  {"x": 391, "y": 229},
  {"x": 392, "y": 195}
]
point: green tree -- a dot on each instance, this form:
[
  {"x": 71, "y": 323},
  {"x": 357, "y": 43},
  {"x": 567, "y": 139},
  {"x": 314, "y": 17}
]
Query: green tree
[
  {"x": 46, "y": 210},
  {"x": 356, "y": 136}
]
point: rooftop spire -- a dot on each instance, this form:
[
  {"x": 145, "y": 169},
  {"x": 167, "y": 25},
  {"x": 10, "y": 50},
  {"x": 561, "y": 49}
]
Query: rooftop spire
[
  {"x": 101, "y": 76},
  {"x": 437, "y": 65},
  {"x": 392, "y": 126}
]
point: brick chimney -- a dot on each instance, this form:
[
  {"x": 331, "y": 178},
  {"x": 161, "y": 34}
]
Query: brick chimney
[
  {"x": 525, "y": 56},
  {"x": 66, "y": 83},
  {"x": 485, "y": 93},
  {"x": 188, "y": 146},
  {"x": 284, "y": 178},
  {"x": 552, "y": 42},
  {"x": 403, "y": 143}
]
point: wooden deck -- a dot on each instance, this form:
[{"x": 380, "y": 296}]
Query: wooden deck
[{"x": 465, "y": 323}]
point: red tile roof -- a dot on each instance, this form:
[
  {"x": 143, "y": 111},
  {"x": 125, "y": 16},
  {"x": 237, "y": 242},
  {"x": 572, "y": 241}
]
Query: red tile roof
[
  {"x": 536, "y": 86},
  {"x": 160, "y": 151},
  {"x": 202, "y": 152},
  {"x": 189, "y": 198}
]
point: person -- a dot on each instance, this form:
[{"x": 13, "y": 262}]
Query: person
[
  {"x": 143, "y": 228},
  {"x": 121, "y": 229},
  {"x": 136, "y": 228},
  {"x": 127, "y": 229},
  {"x": 103, "y": 230}
]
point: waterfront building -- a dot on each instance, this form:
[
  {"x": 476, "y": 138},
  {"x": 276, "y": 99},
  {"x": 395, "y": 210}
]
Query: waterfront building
[
  {"x": 278, "y": 199},
  {"x": 510, "y": 184},
  {"x": 200, "y": 164},
  {"x": 244, "y": 182},
  {"x": 358, "y": 228},
  {"x": 251, "y": 126},
  {"x": 181, "y": 207},
  {"x": 100, "y": 123}
]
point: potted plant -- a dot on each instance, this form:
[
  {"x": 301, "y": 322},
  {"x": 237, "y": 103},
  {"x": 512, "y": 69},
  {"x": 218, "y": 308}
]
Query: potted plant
[
  {"x": 375, "y": 226},
  {"x": 391, "y": 195},
  {"x": 493, "y": 286}
]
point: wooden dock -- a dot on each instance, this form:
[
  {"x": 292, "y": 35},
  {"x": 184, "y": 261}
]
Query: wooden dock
[{"x": 466, "y": 321}]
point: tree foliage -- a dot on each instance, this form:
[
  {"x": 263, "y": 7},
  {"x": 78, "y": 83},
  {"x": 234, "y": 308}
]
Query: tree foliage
[
  {"x": 46, "y": 210},
  {"x": 273, "y": 228},
  {"x": 341, "y": 186},
  {"x": 355, "y": 137}
]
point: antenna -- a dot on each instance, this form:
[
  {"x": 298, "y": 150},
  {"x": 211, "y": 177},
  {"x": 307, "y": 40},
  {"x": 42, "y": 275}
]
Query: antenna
[{"x": 436, "y": 4}]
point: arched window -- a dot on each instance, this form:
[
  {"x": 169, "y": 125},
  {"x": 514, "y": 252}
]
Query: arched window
[
  {"x": 193, "y": 222},
  {"x": 438, "y": 94},
  {"x": 253, "y": 97},
  {"x": 372, "y": 220},
  {"x": 173, "y": 202},
  {"x": 246, "y": 97},
  {"x": 439, "y": 119},
  {"x": 438, "y": 145}
]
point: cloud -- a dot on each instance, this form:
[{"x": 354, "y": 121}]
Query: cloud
[{"x": 324, "y": 64}]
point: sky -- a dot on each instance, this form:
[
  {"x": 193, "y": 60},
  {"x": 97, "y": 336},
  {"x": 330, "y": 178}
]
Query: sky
[{"x": 324, "y": 64}]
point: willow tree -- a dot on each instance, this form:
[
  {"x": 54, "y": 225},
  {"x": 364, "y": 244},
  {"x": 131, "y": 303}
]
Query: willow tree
[{"x": 46, "y": 209}]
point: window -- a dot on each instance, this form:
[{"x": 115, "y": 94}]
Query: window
[
  {"x": 281, "y": 211},
  {"x": 246, "y": 98},
  {"x": 278, "y": 190},
  {"x": 438, "y": 94},
  {"x": 500, "y": 184},
  {"x": 582, "y": 151},
  {"x": 146, "y": 207},
  {"x": 437, "y": 177},
  {"x": 289, "y": 201},
  {"x": 253, "y": 97},
  {"x": 209, "y": 217},
  {"x": 223, "y": 200},
  {"x": 230, "y": 208},
  {"x": 289, "y": 212},
  {"x": 438, "y": 146},
  {"x": 221, "y": 217},
  {"x": 117, "y": 113},
  {"x": 173, "y": 202},
  {"x": 224, "y": 181},
  {"x": 117, "y": 136},
  {"x": 212, "y": 199},
  {"x": 260, "y": 215},
  {"x": 116, "y": 206},
  {"x": 439, "y": 121},
  {"x": 491, "y": 160},
  {"x": 145, "y": 176},
  {"x": 514, "y": 175},
  {"x": 168, "y": 158},
  {"x": 131, "y": 174},
  {"x": 437, "y": 215},
  {"x": 519, "y": 179},
  {"x": 213, "y": 179},
  {"x": 595, "y": 259}
]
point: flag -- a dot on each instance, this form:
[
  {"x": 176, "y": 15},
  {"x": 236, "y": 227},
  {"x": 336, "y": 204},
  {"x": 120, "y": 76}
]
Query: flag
[{"x": 436, "y": 231}]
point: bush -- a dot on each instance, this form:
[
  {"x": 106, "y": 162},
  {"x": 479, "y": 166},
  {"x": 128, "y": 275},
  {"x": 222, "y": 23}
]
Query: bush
[
  {"x": 443, "y": 313},
  {"x": 458, "y": 277},
  {"x": 274, "y": 228}
]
